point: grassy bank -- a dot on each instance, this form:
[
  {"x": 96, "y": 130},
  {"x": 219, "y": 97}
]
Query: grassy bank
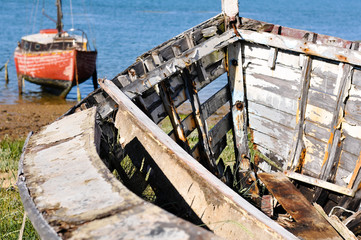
[{"x": 11, "y": 208}]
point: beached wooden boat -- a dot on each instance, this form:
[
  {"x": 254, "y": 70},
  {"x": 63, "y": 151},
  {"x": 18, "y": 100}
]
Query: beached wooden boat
[
  {"x": 293, "y": 98},
  {"x": 55, "y": 58}
]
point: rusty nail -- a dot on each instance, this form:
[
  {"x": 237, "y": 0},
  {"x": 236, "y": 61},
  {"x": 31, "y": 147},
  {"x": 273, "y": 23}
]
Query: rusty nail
[
  {"x": 234, "y": 62},
  {"x": 239, "y": 105}
]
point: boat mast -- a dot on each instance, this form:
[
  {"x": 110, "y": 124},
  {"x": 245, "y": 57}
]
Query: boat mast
[{"x": 59, "y": 24}]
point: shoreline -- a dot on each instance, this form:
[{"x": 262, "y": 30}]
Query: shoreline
[{"x": 17, "y": 120}]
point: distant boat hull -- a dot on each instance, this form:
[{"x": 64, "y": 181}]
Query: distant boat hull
[{"x": 57, "y": 69}]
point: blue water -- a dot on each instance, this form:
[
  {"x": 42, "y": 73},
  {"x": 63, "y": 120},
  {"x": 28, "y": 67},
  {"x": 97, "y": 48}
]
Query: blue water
[{"x": 124, "y": 29}]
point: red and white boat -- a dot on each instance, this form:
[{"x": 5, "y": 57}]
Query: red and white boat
[{"x": 55, "y": 58}]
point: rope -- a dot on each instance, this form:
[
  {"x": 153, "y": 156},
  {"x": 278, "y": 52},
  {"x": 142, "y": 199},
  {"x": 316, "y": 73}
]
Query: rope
[
  {"x": 22, "y": 227},
  {"x": 36, "y": 13},
  {"x": 71, "y": 13},
  {"x": 31, "y": 17},
  {"x": 89, "y": 25}
]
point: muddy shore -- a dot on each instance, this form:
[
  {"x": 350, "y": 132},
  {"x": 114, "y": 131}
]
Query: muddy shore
[{"x": 17, "y": 120}]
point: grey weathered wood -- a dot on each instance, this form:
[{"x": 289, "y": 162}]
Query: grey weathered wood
[
  {"x": 175, "y": 64},
  {"x": 336, "y": 224},
  {"x": 217, "y": 133},
  {"x": 334, "y": 149},
  {"x": 174, "y": 117},
  {"x": 67, "y": 202},
  {"x": 213, "y": 206},
  {"x": 298, "y": 143},
  {"x": 266, "y": 112},
  {"x": 209, "y": 107},
  {"x": 298, "y": 45},
  {"x": 272, "y": 58},
  {"x": 205, "y": 147},
  {"x": 319, "y": 183},
  {"x": 212, "y": 104},
  {"x": 237, "y": 85}
]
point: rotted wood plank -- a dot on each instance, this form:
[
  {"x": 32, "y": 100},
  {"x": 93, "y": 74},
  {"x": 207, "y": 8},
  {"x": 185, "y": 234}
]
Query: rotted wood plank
[
  {"x": 209, "y": 107},
  {"x": 173, "y": 66},
  {"x": 336, "y": 224},
  {"x": 220, "y": 208},
  {"x": 72, "y": 206},
  {"x": 272, "y": 58},
  {"x": 285, "y": 58},
  {"x": 178, "y": 92},
  {"x": 332, "y": 155},
  {"x": 220, "y": 129},
  {"x": 355, "y": 173},
  {"x": 298, "y": 144},
  {"x": 299, "y": 45},
  {"x": 237, "y": 85},
  {"x": 309, "y": 222},
  {"x": 319, "y": 183},
  {"x": 263, "y": 111},
  {"x": 205, "y": 147},
  {"x": 181, "y": 138}
]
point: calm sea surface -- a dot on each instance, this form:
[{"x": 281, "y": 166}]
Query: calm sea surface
[{"x": 124, "y": 29}]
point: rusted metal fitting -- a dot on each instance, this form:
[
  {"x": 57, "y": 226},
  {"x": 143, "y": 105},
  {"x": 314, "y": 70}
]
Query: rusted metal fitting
[
  {"x": 234, "y": 62},
  {"x": 239, "y": 105}
]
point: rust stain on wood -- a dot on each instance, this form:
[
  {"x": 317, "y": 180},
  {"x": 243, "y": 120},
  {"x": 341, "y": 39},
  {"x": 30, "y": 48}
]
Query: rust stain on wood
[
  {"x": 329, "y": 143},
  {"x": 355, "y": 173},
  {"x": 342, "y": 58}
]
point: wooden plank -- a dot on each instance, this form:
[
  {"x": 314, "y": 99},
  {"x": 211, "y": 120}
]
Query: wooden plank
[
  {"x": 299, "y": 45},
  {"x": 320, "y": 183},
  {"x": 237, "y": 85},
  {"x": 309, "y": 222},
  {"x": 115, "y": 213},
  {"x": 145, "y": 221},
  {"x": 174, "y": 64},
  {"x": 333, "y": 151},
  {"x": 272, "y": 85},
  {"x": 316, "y": 147},
  {"x": 272, "y": 58},
  {"x": 272, "y": 144},
  {"x": 355, "y": 173},
  {"x": 220, "y": 129},
  {"x": 319, "y": 115},
  {"x": 271, "y": 100},
  {"x": 255, "y": 51},
  {"x": 298, "y": 145},
  {"x": 221, "y": 209},
  {"x": 316, "y": 131},
  {"x": 324, "y": 77},
  {"x": 311, "y": 165},
  {"x": 230, "y": 8},
  {"x": 181, "y": 138},
  {"x": 353, "y": 109},
  {"x": 271, "y": 128},
  {"x": 336, "y": 224},
  {"x": 348, "y": 160},
  {"x": 203, "y": 138},
  {"x": 289, "y": 75},
  {"x": 322, "y": 100},
  {"x": 269, "y": 113},
  {"x": 356, "y": 78},
  {"x": 212, "y": 104}
]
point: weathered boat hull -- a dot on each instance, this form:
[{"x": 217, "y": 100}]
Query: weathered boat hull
[
  {"x": 57, "y": 69},
  {"x": 292, "y": 97}
]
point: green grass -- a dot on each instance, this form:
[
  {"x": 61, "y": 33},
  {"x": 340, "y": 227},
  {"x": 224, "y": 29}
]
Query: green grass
[{"x": 11, "y": 208}]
